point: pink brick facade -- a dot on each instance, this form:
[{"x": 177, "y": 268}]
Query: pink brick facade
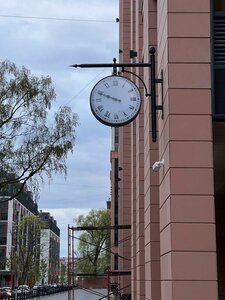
[
  {"x": 188, "y": 244},
  {"x": 172, "y": 212}
]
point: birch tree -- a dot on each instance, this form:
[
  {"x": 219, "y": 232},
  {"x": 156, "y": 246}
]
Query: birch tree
[
  {"x": 24, "y": 260},
  {"x": 35, "y": 137}
]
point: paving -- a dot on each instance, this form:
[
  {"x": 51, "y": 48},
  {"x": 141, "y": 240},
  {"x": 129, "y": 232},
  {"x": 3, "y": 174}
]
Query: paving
[{"x": 78, "y": 295}]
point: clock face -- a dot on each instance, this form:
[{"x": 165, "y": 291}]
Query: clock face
[{"x": 115, "y": 101}]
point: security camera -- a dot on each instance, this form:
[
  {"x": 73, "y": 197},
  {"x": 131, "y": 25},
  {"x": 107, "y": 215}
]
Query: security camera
[{"x": 157, "y": 165}]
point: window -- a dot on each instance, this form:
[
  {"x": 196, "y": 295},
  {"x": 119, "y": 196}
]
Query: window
[
  {"x": 3, "y": 234},
  {"x": 4, "y": 211},
  {"x": 219, "y": 59},
  {"x": 2, "y": 258},
  {"x": 219, "y": 5},
  {"x": 116, "y": 261}
]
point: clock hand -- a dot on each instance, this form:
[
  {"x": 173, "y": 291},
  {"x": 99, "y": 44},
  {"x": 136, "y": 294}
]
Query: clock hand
[
  {"x": 116, "y": 99},
  {"x": 108, "y": 96}
]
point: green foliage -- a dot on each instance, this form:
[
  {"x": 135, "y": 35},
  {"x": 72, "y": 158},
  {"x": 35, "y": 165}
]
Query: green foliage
[
  {"x": 30, "y": 145},
  {"x": 93, "y": 248},
  {"x": 63, "y": 273},
  {"x": 25, "y": 258},
  {"x": 43, "y": 270}
]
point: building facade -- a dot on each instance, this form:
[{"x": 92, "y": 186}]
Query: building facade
[
  {"x": 176, "y": 250},
  {"x": 50, "y": 241},
  {"x": 11, "y": 213}
]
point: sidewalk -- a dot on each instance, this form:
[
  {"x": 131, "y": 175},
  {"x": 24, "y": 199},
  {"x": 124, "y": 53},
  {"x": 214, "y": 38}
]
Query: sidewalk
[{"x": 78, "y": 295}]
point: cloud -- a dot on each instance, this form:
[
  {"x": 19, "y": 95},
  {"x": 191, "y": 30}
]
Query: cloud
[
  {"x": 48, "y": 47},
  {"x": 65, "y": 217}
]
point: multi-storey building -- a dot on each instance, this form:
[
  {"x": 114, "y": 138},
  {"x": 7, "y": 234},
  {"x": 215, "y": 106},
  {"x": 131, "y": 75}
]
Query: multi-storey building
[
  {"x": 50, "y": 243},
  {"x": 176, "y": 213},
  {"x": 11, "y": 213}
]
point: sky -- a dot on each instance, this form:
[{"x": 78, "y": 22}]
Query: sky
[{"x": 47, "y": 36}]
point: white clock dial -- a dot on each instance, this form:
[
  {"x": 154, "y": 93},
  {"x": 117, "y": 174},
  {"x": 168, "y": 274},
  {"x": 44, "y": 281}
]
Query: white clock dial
[{"x": 115, "y": 101}]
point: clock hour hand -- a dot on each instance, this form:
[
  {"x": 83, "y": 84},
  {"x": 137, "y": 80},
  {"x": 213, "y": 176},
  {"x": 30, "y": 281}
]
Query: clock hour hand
[{"x": 108, "y": 96}]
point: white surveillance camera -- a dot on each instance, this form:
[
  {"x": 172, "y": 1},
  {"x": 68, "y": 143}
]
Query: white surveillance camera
[{"x": 157, "y": 165}]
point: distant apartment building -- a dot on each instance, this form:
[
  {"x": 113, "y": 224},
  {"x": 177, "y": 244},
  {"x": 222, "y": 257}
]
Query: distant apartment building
[
  {"x": 50, "y": 254},
  {"x": 176, "y": 211},
  {"x": 11, "y": 213}
]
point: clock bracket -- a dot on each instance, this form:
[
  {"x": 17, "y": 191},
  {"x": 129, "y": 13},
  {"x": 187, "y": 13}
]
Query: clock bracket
[{"x": 153, "y": 81}]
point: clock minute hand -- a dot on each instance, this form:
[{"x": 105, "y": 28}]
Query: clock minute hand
[
  {"x": 116, "y": 99},
  {"x": 108, "y": 96},
  {"x": 113, "y": 98}
]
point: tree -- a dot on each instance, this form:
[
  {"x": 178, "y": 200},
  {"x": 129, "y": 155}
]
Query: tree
[
  {"x": 24, "y": 259},
  {"x": 31, "y": 148},
  {"x": 43, "y": 270},
  {"x": 63, "y": 273},
  {"x": 93, "y": 247}
]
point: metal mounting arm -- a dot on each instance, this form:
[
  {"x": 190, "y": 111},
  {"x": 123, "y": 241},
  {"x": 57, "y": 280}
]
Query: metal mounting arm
[
  {"x": 154, "y": 106},
  {"x": 153, "y": 82}
]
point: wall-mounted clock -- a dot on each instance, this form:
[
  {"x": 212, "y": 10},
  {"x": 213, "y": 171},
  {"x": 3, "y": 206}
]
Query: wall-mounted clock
[{"x": 115, "y": 101}]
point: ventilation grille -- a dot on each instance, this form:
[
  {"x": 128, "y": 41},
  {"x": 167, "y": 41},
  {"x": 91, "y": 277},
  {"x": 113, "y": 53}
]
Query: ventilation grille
[{"x": 219, "y": 40}]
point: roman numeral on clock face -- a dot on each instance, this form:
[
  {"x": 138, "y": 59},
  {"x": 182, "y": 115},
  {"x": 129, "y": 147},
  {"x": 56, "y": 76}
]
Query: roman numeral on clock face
[
  {"x": 107, "y": 114},
  {"x": 100, "y": 107}
]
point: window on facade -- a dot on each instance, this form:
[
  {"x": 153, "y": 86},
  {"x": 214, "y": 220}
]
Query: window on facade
[
  {"x": 2, "y": 258},
  {"x": 116, "y": 261},
  {"x": 219, "y": 91},
  {"x": 16, "y": 216},
  {"x": 3, "y": 230},
  {"x": 219, "y": 58},
  {"x": 219, "y": 5},
  {"x": 4, "y": 211}
]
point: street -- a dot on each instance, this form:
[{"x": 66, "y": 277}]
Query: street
[{"x": 79, "y": 295}]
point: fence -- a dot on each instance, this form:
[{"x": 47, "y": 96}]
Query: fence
[{"x": 36, "y": 293}]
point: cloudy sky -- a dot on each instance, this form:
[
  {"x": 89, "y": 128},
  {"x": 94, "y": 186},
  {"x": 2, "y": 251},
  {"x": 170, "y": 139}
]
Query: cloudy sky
[{"x": 47, "y": 36}]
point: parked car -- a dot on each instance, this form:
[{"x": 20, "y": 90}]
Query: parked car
[
  {"x": 8, "y": 291},
  {"x": 3, "y": 293},
  {"x": 23, "y": 289},
  {"x": 35, "y": 290}
]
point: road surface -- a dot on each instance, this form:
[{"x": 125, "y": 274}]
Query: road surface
[{"x": 78, "y": 295}]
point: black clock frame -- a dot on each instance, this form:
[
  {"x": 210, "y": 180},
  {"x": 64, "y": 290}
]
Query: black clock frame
[{"x": 121, "y": 123}]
